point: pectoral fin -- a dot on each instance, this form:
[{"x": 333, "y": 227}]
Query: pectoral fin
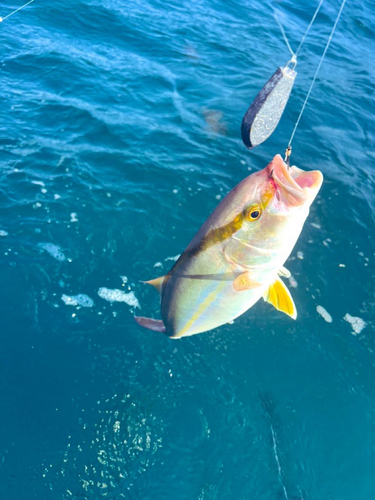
[
  {"x": 157, "y": 283},
  {"x": 279, "y": 296},
  {"x": 155, "y": 325},
  {"x": 244, "y": 282}
]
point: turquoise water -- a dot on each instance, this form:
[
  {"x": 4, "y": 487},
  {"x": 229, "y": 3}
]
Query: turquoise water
[{"x": 120, "y": 131}]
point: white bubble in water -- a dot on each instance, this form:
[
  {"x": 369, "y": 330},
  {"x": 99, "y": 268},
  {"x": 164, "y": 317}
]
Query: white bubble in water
[
  {"x": 77, "y": 300},
  {"x": 324, "y": 314},
  {"x": 54, "y": 251},
  {"x": 3, "y": 233},
  {"x": 73, "y": 217},
  {"x": 293, "y": 282},
  {"x": 300, "y": 255},
  {"x": 176, "y": 257},
  {"x": 357, "y": 323},
  {"x": 116, "y": 295},
  {"x": 38, "y": 183}
]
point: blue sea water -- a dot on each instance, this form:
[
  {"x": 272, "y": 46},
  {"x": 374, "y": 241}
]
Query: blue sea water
[{"x": 119, "y": 133}]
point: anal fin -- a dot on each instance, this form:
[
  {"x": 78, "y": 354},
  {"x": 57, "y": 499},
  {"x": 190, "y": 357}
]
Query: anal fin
[
  {"x": 155, "y": 325},
  {"x": 279, "y": 296}
]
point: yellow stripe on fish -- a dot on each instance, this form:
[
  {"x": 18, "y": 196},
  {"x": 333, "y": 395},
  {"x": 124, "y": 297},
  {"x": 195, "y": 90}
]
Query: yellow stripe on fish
[
  {"x": 220, "y": 234},
  {"x": 202, "y": 307}
]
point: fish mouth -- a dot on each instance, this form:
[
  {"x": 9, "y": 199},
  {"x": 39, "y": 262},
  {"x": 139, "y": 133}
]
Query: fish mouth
[{"x": 294, "y": 187}]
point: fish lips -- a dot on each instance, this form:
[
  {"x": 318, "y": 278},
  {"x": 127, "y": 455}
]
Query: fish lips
[{"x": 294, "y": 187}]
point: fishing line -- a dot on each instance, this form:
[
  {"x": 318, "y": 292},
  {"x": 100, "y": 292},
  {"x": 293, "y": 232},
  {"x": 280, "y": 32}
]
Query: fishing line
[
  {"x": 11, "y": 14},
  {"x": 263, "y": 115},
  {"x": 309, "y": 26},
  {"x": 280, "y": 472},
  {"x": 283, "y": 32},
  {"x": 295, "y": 54},
  {"x": 289, "y": 148}
]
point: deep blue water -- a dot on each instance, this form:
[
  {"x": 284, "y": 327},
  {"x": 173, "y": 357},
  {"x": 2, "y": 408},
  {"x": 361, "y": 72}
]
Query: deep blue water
[{"x": 120, "y": 131}]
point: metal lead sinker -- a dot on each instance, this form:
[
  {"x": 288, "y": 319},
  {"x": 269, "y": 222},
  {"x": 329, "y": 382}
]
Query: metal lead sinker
[{"x": 265, "y": 112}]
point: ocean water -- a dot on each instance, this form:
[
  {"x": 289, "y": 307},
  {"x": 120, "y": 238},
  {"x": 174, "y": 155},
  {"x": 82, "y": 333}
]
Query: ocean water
[{"x": 120, "y": 132}]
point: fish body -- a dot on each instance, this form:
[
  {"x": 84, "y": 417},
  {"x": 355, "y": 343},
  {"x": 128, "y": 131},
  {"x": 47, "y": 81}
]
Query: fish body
[{"x": 238, "y": 254}]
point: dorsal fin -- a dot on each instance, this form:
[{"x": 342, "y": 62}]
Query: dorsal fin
[{"x": 157, "y": 283}]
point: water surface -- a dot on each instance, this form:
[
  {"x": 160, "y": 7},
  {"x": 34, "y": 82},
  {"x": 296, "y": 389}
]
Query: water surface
[{"x": 120, "y": 132}]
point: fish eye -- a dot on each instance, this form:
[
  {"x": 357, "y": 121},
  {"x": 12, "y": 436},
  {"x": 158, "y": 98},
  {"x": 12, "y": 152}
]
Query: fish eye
[{"x": 253, "y": 213}]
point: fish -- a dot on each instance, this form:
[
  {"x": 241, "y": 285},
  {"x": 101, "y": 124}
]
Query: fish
[{"x": 238, "y": 255}]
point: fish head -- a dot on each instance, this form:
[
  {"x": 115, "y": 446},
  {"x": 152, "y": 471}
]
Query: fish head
[
  {"x": 275, "y": 204},
  {"x": 295, "y": 189}
]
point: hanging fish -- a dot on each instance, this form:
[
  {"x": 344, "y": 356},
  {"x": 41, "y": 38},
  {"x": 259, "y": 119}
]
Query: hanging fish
[
  {"x": 238, "y": 254},
  {"x": 265, "y": 112}
]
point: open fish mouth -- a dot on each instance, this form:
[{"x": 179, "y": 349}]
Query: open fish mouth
[{"x": 295, "y": 187}]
